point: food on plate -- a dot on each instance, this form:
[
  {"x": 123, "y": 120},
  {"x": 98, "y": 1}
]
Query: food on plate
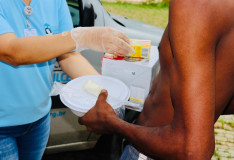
[{"x": 92, "y": 87}]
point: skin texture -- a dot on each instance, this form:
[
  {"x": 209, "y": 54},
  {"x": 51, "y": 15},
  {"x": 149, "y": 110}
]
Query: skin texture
[
  {"x": 27, "y": 2},
  {"x": 193, "y": 88}
]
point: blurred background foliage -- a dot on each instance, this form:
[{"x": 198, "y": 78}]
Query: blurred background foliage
[{"x": 152, "y": 13}]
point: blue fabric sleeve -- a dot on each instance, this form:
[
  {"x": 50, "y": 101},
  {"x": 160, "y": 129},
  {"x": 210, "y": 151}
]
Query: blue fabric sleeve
[
  {"x": 4, "y": 26},
  {"x": 65, "y": 21}
]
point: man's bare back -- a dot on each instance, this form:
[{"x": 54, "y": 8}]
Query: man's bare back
[{"x": 193, "y": 88}]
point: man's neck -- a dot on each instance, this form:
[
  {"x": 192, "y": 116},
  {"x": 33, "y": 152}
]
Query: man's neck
[{"x": 27, "y": 2}]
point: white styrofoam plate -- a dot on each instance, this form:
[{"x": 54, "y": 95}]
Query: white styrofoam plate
[{"x": 80, "y": 101}]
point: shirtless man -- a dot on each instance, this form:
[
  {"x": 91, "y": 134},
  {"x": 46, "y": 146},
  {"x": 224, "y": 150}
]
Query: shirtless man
[{"x": 193, "y": 88}]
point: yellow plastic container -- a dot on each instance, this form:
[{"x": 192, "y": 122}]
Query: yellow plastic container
[{"x": 141, "y": 47}]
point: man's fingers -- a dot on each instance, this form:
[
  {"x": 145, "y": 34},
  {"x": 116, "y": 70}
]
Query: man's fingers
[
  {"x": 89, "y": 129},
  {"x": 80, "y": 121},
  {"x": 103, "y": 95}
]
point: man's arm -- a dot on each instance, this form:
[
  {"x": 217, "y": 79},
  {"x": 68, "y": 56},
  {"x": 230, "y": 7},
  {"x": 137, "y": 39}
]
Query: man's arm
[
  {"x": 192, "y": 83},
  {"x": 191, "y": 134}
]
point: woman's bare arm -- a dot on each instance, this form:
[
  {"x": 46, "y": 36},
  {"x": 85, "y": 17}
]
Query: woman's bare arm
[{"x": 29, "y": 50}]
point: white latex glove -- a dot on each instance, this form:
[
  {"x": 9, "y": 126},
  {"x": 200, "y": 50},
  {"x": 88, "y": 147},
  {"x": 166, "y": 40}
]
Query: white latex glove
[{"x": 102, "y": 39}]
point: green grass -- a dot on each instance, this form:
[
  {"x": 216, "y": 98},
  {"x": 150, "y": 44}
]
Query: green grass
[{"x": 154, "y": 14}]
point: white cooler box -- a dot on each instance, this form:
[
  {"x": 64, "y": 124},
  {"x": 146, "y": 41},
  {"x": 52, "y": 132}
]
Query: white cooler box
[{"x": 138, "y": 76}]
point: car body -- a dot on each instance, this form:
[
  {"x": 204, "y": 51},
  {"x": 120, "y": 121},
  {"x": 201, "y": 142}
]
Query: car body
[{"x": 66, "y": 134}]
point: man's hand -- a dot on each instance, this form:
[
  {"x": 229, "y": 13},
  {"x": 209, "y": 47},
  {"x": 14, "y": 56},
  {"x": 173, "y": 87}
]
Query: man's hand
[{"x": 97, "y": 118}]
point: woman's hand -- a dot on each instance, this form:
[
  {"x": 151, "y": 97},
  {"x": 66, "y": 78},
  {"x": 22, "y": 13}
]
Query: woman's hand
[{"x": 103, "y": 39}]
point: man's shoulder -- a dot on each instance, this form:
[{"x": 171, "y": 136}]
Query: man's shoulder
[
  {"x": 215, "y": 14},
  {"x": 211, "y": 8},
  {"x": 193, "y": 6}
]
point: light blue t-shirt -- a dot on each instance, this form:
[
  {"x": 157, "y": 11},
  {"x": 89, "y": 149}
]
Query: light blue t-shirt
[{"x": 24, "y": 90}]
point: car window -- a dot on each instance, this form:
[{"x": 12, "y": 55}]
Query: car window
[{"x": 74, "y": 10}]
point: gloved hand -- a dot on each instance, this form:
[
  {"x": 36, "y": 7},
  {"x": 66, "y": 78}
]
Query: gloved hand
[{"x": 102, "y": 39}]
